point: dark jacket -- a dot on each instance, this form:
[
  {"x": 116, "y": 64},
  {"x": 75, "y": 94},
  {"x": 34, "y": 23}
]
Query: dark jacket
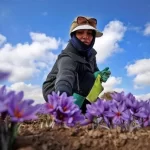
[{"x": 71, "y": 73}]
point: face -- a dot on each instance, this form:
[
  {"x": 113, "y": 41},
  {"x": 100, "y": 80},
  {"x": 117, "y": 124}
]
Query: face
[{"x": 85, "y": 36}]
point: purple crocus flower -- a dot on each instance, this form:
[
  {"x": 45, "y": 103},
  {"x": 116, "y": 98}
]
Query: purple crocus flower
[
  {"x": 68, "y": 119},
  {"x": 98, "y": 110},
  {"x": 118, "y": 113},
  {"x": 51, "y": 104},
  {"x": 66, "y": 112},
  {"x": 136, "y": 107},
  {"x": 66, "y": 104},
  {"x": 94, "y": 108},
  {"x": 75, "y": 118},
  {"x": 141, "y": 113},
  {"x": 88, "y": 119},
  {"x": 119, "y": 97},
  {"x": 20, "y": 110},
  {"x": 145, "y": 116},
  {"x": 4, "y": 94},
  {"x": 132, "y": 103},
  {"x": 130, "y": 100},
  {"x": 5, "y": 97},
  {"x": 3, "y": 107}
]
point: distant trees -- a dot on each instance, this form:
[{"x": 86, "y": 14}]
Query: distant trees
[{"x": 107, "y": 95}]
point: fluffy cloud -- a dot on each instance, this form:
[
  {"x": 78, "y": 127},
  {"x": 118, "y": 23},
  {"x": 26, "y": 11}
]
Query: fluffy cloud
[
  {"x": 147, "y": 29},
  {"x": 108, "y": 43},
  {"x": 111, "y": 84},
  {"x": 141, "y": 70},
  {"x": 143, "y": 96},
  {"x": 30, "y": 91},
  {"x": 134, "y": 28},
  {"x": 2, "y": 39},
  {"x": 28, "y": 60}
]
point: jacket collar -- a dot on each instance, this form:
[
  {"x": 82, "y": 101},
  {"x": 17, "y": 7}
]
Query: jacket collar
[{"x": 71, "y": 51}]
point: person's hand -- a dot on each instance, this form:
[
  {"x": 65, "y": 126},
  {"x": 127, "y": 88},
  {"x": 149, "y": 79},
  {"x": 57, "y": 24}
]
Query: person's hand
[
  {"x": 79, "y": 99},
  {"x": 105, "y": 74}
]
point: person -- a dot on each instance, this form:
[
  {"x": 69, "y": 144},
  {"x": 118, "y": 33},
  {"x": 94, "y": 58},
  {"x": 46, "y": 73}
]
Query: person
[{"x": 75, "y": 70}]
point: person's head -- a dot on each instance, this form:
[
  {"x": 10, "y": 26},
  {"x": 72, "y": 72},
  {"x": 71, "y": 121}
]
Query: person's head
[
  {"x": 85, "y": 35},
  {"x": 84, "y": 28}
]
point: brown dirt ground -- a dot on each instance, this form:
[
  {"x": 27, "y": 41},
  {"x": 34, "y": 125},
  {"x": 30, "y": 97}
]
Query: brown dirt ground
[{"x": 35, "y": 136}]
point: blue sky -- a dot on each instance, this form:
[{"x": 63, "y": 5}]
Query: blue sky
[{"x": 32, "y": 34}]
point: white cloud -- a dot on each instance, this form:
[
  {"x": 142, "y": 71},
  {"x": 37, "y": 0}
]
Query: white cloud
[
  {"x": 111, "y": 85},
  {"x": 28, "y": 60},
  {"x": 108, "y": 44},
  {"x": 140, "y": 66},
  {"x": 2, "y": 39},
  {"x": 138, "y": 86},
  {"x": 64, "y": 44},
  {"x": 47, "y": 42},
  {"x": 147, "y": 29},
  {"x": 134, "y": 28},
  {"x": 143, "y": 96},
  {"x": 30, "y": 91},
  {"x": 142, "y": 78},
  {"x": 141, "y": 70}
]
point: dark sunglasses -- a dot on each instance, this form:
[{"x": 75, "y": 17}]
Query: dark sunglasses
[{"x": 82, "y": 20}]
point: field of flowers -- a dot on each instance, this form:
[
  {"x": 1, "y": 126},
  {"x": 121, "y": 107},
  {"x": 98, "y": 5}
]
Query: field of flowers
[{"x": 117, "y": 124}]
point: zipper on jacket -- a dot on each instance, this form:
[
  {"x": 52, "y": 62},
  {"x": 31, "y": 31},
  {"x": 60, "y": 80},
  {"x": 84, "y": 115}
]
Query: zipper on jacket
[{"x": 78, "y": 87}]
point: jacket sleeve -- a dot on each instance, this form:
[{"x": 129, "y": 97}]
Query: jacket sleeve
[
  {"x": 66, "y": 75},
  {"x": 95, "y": 65}
]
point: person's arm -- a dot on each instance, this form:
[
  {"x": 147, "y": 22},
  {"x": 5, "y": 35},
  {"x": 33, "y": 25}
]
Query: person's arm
[
  {"x": 66, "y": 75},
  {"x": 95, "y": 65}
]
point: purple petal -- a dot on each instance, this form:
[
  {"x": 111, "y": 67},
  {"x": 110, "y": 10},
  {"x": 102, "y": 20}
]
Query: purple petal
[
  {"x": 121, "y": 107},
  {"x": 109, "y": 114},
  {"x": 2, "y": 107},
  {"x": 85, "y": 122},
  {"x": 141, "y": 114},
  {"x": 117, "y": 120},
  {"x": 114, "y": 108},
  {"x": 125, "y": 116}
]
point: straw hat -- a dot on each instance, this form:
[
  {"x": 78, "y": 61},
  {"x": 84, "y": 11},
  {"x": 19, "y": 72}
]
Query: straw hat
[{"x": 75, "y": 26}]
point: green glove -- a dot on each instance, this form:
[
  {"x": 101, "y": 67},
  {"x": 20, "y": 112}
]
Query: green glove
[
  {"x": 105, "y": 74},
  {"x": 96, "y": 90},
  {"x": 79, "y": 99},
  {"x": 93, "y": 94}
]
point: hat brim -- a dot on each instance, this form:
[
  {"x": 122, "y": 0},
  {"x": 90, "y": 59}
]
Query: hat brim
[{"x": 86, "y": 26}]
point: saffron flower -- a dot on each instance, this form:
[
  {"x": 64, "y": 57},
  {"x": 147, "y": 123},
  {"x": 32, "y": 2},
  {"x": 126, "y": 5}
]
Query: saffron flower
[
  {"x": 135, "y": 107},
  {"x": 88, "y": 119},
  {"x": 5, "y": 98},
  {"x": 20, "y": 110},
  {"x": 119, "y": 97},
  {"x": 146, "y": 115},
  {"x": 98, "y": 111},
  {"x": 63, "y": 109},
  {"x": 51, "y": 104},
  {"x": 118, "y": 113},
  {"x": 132, "y": 103},
  {"x": 75, "y": 118}
]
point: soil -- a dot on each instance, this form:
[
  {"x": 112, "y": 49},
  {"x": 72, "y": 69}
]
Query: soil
[{"x": 37, "y": 135}]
